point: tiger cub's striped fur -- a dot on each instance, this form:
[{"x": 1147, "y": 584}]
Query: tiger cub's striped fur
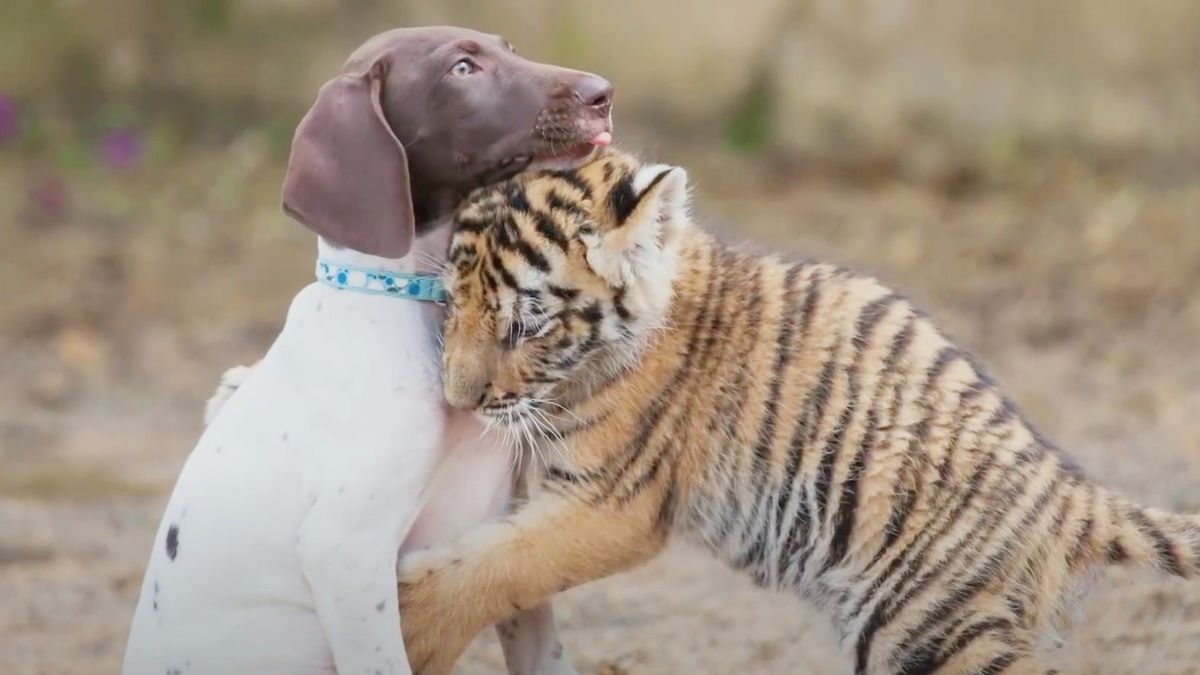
[{"x": 803, "y": 422}]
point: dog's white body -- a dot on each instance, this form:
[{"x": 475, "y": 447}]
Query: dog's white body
[{"x": 277, "y": 550}]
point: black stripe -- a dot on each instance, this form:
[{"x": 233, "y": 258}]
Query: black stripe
[
  {"x": 914, "y": 554},
  {"x": 936, "y": 652},
  {"x": 528, "y": 253},
  {"x": 1116, "y": 553},
  {"x": 843, "y": 518},
  {"x": 974, "y": 390},
  {"x": 592, "y": 313},
  {"x": 975, "y": 631},
  {"x": 767, "y": 427},
  {"x": 1004, "y": 414},
  {"x": 724, "y": 329},
  {"x": 666, "y": 508},
  {"x": 898, "y": 348},
  {"x": 584, "y": 425},
  {"x": 829, "y": 454},
  {"x": 791, "y": 488},
  {"x": 906, "y": 497},
  {"x": 562, "y": 475},
  {"x": 501, "y": 271},
  {"x": 562, "y": 293},
  {"x": 698, "y": 358},
  {"x": 462, "y": 253},
  {"x": 813, "y": 413},
  {"x": 1168, "y": 559},
  {"x": 573, "y": 179},
  {"x": 1084, "y": 540},
  {"x": 751, "y": 320},
  {"x": 962, "y": 412},
  {"x": 622, "y": 199},
  {"x": 618, "y": 301},
  {"x": 650, "y": 421},
  {"x": 467, "y": 224},
  {"x": 986, "y": 572},
  {"x": 997, "y": 665},
  {"x": 921, "y": 657},
  {"x": 655, "y": 181},
  {"x": 489, "y": 280},
  {"x": 646, "y": 477},
  {"x": 556, "y": 202},
  {"x": 798, "y": 533},
  {"x": 514, "y": 192},
  {"x": 818, "y": 398},
  {"x": 506, "y": 229},
  {"x": 991, "y": 520},
  {"x": 810, "y": 305},
  {"x": 546, "y": 227},
  {"x": 815, "y": 407}
]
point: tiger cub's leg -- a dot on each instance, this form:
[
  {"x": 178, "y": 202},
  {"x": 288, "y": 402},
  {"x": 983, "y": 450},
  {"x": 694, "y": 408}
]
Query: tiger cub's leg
[{"x": 449, "y": 594}]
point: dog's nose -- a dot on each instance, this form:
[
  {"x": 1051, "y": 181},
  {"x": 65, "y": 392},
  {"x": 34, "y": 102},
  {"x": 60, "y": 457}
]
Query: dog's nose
[{"x": 594, "y": 91}]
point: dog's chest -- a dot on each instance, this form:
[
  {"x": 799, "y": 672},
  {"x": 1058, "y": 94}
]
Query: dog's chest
[
  {"x": 364, "y": 341},
  {"x": 347, "y": 401}
]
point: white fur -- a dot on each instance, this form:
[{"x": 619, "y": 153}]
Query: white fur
[
  {"x": 642, "y": 255},
  {"x": 318, "y": 465}
]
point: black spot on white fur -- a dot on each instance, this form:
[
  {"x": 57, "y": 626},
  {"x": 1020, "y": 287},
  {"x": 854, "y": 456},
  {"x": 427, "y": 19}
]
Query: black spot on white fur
[{"x": 172, "y": 542}]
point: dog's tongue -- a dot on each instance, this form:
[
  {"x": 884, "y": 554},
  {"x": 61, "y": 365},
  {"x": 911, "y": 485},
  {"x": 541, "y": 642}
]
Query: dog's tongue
[{"x": 601, "y": 139}]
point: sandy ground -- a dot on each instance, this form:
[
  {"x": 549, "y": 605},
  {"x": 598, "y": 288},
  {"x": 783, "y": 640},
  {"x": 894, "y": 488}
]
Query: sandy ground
[{"x": 1080, "y": 289}]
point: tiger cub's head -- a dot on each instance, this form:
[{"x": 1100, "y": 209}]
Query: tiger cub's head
[{"x": 556, "y": 278}]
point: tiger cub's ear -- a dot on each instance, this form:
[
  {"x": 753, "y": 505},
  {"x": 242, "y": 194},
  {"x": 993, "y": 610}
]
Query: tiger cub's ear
[{"x": 648, "y": 209}]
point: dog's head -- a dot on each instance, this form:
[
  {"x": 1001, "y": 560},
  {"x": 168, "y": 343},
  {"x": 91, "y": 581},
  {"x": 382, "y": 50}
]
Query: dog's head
[{"x": 421, "y": 111}]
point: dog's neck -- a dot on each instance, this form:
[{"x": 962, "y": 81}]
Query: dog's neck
[{"x": 425, "y": 257}]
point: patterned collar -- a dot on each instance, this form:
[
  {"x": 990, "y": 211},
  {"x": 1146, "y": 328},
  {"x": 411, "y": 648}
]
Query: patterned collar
[{"x": 425, "y": 287}]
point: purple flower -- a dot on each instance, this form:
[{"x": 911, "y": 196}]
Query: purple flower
[
  {"x": 10, "y": 119},
  {"x": 49, "y": 198},
  {"x": 121, "y": 149}
]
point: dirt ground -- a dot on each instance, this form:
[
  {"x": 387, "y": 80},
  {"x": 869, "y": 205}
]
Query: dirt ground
[{"x": 118, "y": 312}]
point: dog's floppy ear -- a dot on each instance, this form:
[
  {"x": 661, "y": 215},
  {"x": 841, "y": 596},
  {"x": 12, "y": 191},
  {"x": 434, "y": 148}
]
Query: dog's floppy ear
[{"x": 347, "y": 177}]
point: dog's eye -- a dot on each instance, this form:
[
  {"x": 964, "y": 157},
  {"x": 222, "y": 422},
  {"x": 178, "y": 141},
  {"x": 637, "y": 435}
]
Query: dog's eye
[{"x": 463, "y": 67}]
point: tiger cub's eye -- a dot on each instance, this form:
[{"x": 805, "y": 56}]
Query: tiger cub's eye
[{"x": 521, "y": 330}]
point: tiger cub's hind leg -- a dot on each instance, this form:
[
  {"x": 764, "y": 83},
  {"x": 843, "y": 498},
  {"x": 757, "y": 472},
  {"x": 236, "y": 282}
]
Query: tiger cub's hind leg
[
  {"x": 994, "y": 654},
  {"x": 977, "y": 643}
]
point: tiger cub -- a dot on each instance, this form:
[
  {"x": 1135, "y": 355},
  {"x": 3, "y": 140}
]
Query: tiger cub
[{"x": 802, "y": 422}]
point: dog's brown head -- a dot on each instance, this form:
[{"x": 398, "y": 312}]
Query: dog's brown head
[{"x": 419, "y": 112}]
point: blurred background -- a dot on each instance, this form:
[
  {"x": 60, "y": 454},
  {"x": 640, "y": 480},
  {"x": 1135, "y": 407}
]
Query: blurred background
[{"x": 1028, "y": 170}]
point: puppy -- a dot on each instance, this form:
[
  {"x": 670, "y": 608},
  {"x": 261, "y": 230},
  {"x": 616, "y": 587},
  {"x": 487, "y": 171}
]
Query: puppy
[{"x": 277, "y": 550}]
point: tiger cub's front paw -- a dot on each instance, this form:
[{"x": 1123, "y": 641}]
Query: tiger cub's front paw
[{"x": 437, "y": 621}]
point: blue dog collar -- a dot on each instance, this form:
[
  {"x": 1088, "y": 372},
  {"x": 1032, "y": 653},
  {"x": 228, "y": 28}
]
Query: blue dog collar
[{"x": 425, "y": 287}]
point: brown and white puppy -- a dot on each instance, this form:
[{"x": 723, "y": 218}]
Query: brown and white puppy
[
  {"x": 277, "y": 550},
  {"x": 419, "y": 117}
]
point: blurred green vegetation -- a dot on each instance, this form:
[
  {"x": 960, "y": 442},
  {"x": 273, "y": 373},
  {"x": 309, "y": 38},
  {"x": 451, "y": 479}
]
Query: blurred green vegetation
[{"x": 749, "y": 127}]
